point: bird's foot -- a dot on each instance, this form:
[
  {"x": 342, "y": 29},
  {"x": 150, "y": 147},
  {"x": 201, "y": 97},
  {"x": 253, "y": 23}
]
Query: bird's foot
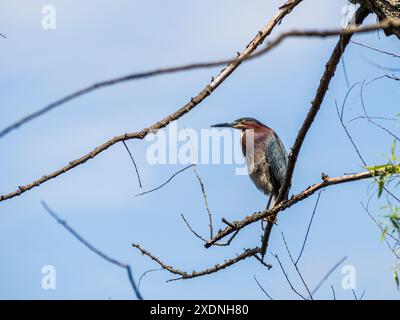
[{"x": 271, "y": 219}]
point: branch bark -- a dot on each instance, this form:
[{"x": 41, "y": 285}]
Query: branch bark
[
  {"x": 383, "y": 9},
  {"x": 329, "y": 72},
  {"x": 194, "y": 274}
]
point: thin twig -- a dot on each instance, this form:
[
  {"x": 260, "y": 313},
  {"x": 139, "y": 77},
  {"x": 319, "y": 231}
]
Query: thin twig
[
  {"x": 203, "y": 191},
  {"x": 308, "y": 228},
  {"x": 370, "y": 119},
  {"x": 145, "y": 273},
  {"x": 366, "y": 209},
  {"x": 166, "y": 182},
  {"x": 134, "y": 164},
  {"x": 391, "y": 248},
  {"x": 228, "y": 223},
  {"x": 262, "y": 289},
  {"x": 333, "y": 293},
  {"x": 205, "y": 240},
  {"x": 267, "y": 265},
  {"x": 287, "y": 277},
  {"x": 393, "y": 77},
  {"x": 376, "y": 49},
  {"x": 346, "y": 76},
  {"x": 125, "y": 266},
  {"x": 340, "y": 115},
  {"x": 192, "y": 230},
  {"x": 297, "y": 268},
  {"x": 376, "y": 118}
]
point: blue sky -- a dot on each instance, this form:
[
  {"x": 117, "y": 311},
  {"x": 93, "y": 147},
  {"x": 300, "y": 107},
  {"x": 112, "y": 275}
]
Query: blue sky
[{"x": 96, "y": 40}]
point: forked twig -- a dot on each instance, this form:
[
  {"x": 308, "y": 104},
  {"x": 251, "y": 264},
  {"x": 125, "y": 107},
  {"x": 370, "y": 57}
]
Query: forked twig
[
  {"x": 194, "y": 274},
  {"x": 166, "y": 182}
]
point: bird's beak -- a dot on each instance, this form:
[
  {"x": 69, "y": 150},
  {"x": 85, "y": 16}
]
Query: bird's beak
[{"x": 224, "y": 125}]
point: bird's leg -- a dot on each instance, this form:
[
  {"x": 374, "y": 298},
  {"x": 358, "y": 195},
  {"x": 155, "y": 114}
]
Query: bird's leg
[
  {"x": 268, "y": 206},
  {"x": 269, "y": 201},
  {"x": 271, "y": 204}
]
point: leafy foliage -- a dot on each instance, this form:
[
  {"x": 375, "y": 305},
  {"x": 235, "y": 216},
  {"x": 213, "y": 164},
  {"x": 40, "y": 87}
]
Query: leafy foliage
[{"x": 391, "y": 224}]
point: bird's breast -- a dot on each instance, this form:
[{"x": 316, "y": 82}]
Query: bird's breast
[{"x": 253, "y": 148}]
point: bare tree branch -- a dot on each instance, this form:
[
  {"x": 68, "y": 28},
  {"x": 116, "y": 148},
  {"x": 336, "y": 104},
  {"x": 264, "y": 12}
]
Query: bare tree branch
[
  {"x": 113, "y": 261},
  {"x": 216, "y": 81},
  {"x": 267, "y": 265},
  {"x": 203, "y": 94},
  {"x": 203, "y": 191},
  {"x": 262, "y": 289},
  {"x": 207, "y": 91},
  {"x": 327, "y": 181},
  {"x": 383, "y": 9},
  {"x": 194, "y": 274},
  {"x": 323, "y": 87}
]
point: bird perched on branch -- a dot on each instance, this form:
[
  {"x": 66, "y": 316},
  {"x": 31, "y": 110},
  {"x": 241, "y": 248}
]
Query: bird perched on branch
[{"x": 266, "y": 157}]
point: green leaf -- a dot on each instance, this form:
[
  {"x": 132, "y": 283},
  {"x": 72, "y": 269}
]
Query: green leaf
[
  {"x": 381, "y": 184},
  {"x": 378, "y": 167},
  {"x": 394, "y": 222},
  {"x": 396, "y": 279},
  {"x": 384, "y": 232},
  {"x": 394, "y": 158}
]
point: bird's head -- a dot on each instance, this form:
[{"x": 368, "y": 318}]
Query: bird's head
[{"x": 242, "y": 124}]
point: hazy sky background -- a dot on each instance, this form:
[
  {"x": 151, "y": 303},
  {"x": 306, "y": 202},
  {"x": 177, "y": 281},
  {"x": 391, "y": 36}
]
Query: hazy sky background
[{"x": 97, "y": 40}]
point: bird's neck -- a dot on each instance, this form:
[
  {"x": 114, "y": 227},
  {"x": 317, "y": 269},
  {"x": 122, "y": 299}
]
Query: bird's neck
[{"x": 255, "y": 137}]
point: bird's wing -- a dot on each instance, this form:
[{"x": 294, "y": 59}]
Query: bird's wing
[{"x": 277, "y": 160}]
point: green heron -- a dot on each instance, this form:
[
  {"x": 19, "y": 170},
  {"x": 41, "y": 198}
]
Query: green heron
[{"x": 266, "y": 157}]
